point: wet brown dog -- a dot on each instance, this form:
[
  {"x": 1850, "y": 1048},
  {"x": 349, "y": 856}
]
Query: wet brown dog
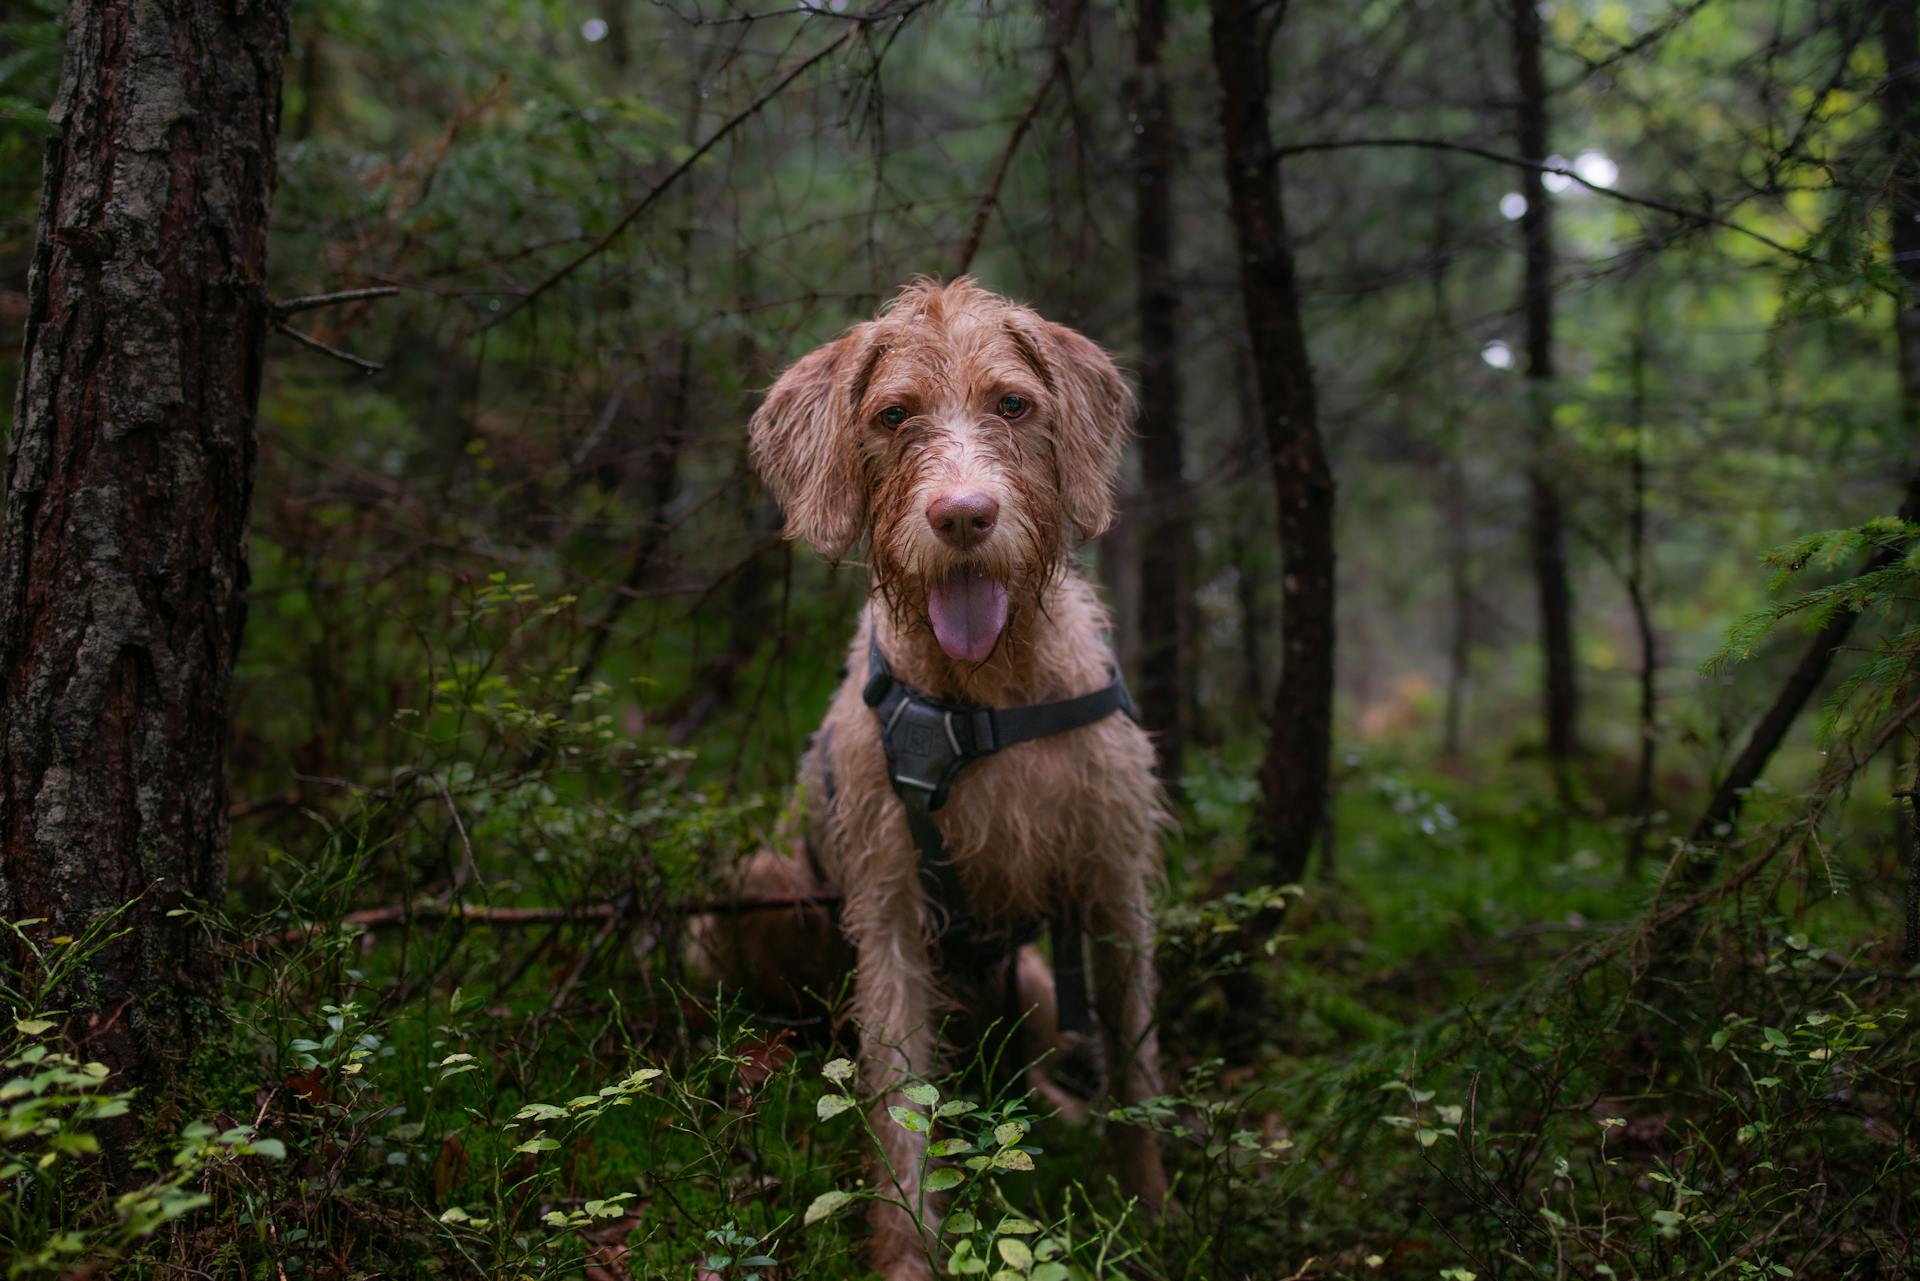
[{"x": 974, "y": 445}]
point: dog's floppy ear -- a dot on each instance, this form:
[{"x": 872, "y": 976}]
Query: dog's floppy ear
[
  {"x": 803, "y": 446},
  {"x": 1093, "y": 416}
]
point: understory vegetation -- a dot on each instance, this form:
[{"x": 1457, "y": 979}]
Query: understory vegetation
[
  {"x": 527, "y": 664},
  {"x": 459, "y": 1042}
]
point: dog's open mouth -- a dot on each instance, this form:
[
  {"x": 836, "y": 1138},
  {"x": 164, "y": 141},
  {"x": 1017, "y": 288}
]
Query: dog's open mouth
[{"x": 968, "y": 610}]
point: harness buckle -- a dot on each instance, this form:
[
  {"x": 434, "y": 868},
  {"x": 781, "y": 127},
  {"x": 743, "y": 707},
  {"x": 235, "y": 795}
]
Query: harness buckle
[{"x": 926, "y": 750}]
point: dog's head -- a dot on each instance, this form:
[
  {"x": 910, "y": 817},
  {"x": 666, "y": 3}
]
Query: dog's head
[{"x": 974, "y": 443}]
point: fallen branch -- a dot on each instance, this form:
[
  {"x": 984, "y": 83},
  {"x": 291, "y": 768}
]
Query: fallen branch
[{"x": 508, "y": 917}]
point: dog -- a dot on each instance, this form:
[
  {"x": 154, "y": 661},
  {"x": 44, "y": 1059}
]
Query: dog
[{"x": 972, "y": 446}]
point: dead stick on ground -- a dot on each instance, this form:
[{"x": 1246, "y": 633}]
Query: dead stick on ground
[{"x": 441, "y": 913}]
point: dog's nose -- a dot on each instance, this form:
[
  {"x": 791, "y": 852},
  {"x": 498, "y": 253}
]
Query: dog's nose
[{"x": 963, "y": 518}]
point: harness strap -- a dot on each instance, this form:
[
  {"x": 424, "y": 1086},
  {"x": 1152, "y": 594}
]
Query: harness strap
[{"x": 927, "y": 743}]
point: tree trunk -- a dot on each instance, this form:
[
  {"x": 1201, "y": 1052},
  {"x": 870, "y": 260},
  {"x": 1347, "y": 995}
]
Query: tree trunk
[
  {"x": 1456, "y": 507},
  {"x": 1546, "y": 523},
  {"x": 1637, "y": 596},
  {"x": 1900, "y": 116},
  {"x": 123, "y": 565},
  {"x": 1293, "y": 775},
  {"x": 1166, "y": 550}
]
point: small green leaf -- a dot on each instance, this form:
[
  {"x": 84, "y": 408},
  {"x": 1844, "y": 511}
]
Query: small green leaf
[
  {"x": 942, "y": 1179},
  {"x": 908, "y": 1119},
  {"x": 1014, "y": 1252},
  {"x": 839, "y": 1071},
  {"x": 825, "y": 1204},
  {"x": 925, "y": 1095},
  {"x": 537, "y": 1145},
  {"x": 832, "y": 1105}
]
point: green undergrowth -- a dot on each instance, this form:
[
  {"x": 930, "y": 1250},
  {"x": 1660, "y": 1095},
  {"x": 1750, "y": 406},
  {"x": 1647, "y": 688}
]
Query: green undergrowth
[{"x": 460, "y": 1043}]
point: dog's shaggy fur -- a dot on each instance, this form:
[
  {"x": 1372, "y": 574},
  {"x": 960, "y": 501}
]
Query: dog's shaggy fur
[{"x": 954, "y": 391}]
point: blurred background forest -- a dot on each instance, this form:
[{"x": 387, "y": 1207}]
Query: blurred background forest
[{"x": 526, "y": 658}]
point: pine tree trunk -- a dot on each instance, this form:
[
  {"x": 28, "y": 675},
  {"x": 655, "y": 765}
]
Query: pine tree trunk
[
  {"x": 1166, "y": 549},
  {"x": 1293, "y": 775},
  {"x": 1546, "y": 522},
  {"x": 123, "y": 565}
]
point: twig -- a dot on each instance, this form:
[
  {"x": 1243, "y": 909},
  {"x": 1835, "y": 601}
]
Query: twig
[
  {"x": 1469, "y": 149},
  {"x": 469, "y": 868},
  {"x": 308, "y": 340},
  {"x": 646, "y": 202},
  {"x": 991, "y": 196},
  {"x": 1910, "y": 953},
  {"x": 307, "y": 302}
]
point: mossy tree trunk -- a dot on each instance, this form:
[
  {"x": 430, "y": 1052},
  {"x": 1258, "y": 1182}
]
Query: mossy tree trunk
[{"x": 123, "y": 567}]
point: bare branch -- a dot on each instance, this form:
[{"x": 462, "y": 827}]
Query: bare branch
[
  {"x": 900, "y": 11},
  {"x": 1702, "y": 217},
  {"x": 307, "y": 302},
  {"x": 308, "y": 340},
  {"x": 991, "y": 196}
]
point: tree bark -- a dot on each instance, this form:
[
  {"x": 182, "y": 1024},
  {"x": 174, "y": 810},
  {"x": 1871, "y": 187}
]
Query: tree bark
[
  {"x": 1293, "y": 774},
  {"x": 1638, "y": 596},
  {"x": 1900, "y": 116},
  {"x": 1546, "y": 522},
  {"x": 123, "y": 565},
  {"x": 1166, "y": 551}
]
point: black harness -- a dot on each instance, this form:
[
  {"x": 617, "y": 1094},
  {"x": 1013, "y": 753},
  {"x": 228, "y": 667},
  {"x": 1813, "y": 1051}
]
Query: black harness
[{"x": 928, "y": 742}]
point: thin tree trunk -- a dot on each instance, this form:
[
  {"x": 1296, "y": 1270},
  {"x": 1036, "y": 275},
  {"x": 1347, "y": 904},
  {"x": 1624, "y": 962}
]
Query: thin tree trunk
[
  {"x": 1245, "y": 530},
  {"x": 1900, "y": 116},
  {"x": 1166, "y": 550},
  {"x": 1293, "y": 775},
  {"x": 1546, "y": 522},
  {"x": 1636, "y": 577},
  {"x": 1457, "y": 507},
  {"x": 123, "y": 566},
  {"x": 1459, "y": 514}
]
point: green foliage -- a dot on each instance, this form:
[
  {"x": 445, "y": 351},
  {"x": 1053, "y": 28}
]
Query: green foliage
[{"x": 62, "y": 1124}]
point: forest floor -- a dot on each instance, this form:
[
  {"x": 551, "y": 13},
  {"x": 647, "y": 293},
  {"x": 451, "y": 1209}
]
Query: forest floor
[
  {"x": 457, "y": 1044},
  {"x": 1478, "y": 1049}
]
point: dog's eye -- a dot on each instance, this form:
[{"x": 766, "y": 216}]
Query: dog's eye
[
  {"x": 1012, "y": 406},
  {"x": 893, "y": 415}
]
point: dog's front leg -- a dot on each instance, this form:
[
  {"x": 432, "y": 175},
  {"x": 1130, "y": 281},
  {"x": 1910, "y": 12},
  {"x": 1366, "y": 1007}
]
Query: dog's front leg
[
  {"x": 894, "y": 999},
  {"x": 1121, "y": 925}
]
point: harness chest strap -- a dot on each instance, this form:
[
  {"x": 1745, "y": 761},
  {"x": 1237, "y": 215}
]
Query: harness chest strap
[{"x": 927, "y": 743}]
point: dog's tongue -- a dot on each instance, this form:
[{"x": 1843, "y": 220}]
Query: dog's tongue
[{"x": 968, "y": 610}]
